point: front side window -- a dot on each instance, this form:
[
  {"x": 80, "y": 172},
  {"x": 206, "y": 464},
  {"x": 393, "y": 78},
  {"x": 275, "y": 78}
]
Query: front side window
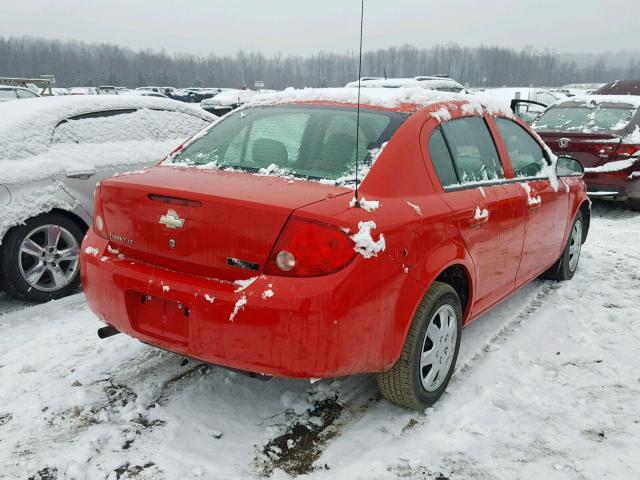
[
  {"x": 307, "y": 141},
  {"x": 474, "y": 153},
  {"x": 127, "y": 125},
  {"x": 527, "y": 156}
]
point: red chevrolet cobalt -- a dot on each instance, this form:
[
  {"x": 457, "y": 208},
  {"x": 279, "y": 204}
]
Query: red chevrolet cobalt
[{"x": 247, "y": 248}]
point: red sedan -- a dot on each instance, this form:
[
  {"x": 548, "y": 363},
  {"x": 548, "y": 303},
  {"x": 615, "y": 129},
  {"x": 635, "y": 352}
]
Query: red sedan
[{"x": 246, "y": 247}]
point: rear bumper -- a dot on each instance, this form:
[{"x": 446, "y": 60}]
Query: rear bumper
[
  {"x": 613, "y": 185},
  {"x": 310, "y": 328}
]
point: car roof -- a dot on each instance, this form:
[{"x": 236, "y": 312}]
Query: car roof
[
  {"x": 39, "y": 116},
  {"x": 620, "y": 87},
  {"x": 407, "y": 100},
  {"x": 14, "y": 87}
]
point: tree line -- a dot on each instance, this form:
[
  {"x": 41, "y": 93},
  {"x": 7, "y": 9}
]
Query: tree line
[{"x": 77, "y": 63}]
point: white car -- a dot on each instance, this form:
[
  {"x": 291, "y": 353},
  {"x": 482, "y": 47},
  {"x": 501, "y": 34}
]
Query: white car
[
  {"x": 83, "y": 91},
  {"x": 227, "y": 100},
  {"x": 441, "y": 84},
  {"x": 9, "y": 93},
  {"x": 107, "y": 90},
  {"x": 53, "y": 152},
  {"x": 533, "y": 101}
]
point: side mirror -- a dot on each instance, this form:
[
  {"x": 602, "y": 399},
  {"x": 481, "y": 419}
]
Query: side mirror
[{"x": 569, "y": 167}]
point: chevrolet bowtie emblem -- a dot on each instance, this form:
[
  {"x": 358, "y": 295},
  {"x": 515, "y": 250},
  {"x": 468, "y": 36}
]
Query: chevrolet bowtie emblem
[{"x": 171, "y": 220}]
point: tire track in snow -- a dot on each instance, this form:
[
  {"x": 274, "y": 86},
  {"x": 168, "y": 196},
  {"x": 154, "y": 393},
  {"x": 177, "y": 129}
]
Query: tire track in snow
[
  {"x": 357, "y": 400},
  {"x": 507, "y": 330}
]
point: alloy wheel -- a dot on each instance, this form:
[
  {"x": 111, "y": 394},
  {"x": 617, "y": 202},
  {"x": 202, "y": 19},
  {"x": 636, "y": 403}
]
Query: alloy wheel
[
  {"x": 49, "y": 257},
  {"x": 438, "y": 348},
  {"x": 575, "y": 245}
]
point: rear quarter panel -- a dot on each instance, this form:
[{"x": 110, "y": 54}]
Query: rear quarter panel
[{"x": 420, "y": 236}]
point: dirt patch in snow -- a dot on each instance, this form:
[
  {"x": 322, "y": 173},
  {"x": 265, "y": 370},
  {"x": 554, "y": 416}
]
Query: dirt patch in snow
[
  {"x": 45, "y": 474},
  {"x": 132, "y": 471},
  {"x": 417, "y": 473},
  {"x": 296, "y": 449}
]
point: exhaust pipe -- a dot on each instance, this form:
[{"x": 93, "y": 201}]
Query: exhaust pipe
[{"x": 108, "y": 331}]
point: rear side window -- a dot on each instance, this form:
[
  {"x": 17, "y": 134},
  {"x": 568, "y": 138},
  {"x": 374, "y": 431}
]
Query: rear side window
[
  {"x": 527, "y": 157},
  {"x": 474, "y": 154},
  {"x": 127, "y": 125},
  {"x": 441, "y": 159}
]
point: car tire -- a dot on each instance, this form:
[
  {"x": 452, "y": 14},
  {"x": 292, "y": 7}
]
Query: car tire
[
  {"x": 37, "y": 269},
  {"x": 566, "y": 267},
  {"x": 407, "y": 382},
  {"x": 634, "y": 204}
]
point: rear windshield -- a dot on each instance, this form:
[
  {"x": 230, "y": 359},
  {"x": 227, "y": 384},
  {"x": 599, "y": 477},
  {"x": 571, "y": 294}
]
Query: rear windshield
[
  {"x": 7, "y": 93},
  {"x": 585, "y": 118},
  {"x": 312, "y": 142}
]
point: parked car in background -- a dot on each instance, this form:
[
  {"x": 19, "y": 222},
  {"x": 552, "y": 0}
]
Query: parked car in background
[
  {"x": 439, "y": 83},
  {"x": 83, "y": 91},
  {"x": 603, "y": 132},
  {"x": 247, "y": 248},
  {"x": 197, "y": 95},
  {"x": 8, "y": 93},
  {"x": 620, "y": 87},
  {"x": 526, "y": 102},
  {"x": 49, "y": 176},
  {"x": 57, "y": 91},
  {"x": 107, "y": 90},
  {"x": 149, "y": 89},
  {"x": 578, "y": 89},
  {"x": 227, "y": 100}
]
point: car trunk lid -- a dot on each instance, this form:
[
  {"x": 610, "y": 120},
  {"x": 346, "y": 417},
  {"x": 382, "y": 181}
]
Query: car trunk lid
[
  {"x": 209, "y": 223},
  {"x": 592, "y": 149}
]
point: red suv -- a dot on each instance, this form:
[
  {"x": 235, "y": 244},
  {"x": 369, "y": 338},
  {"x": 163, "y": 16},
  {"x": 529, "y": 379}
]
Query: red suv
[
  {"x": 247, "y": 248},
  {"x": 603, "y": 132}
]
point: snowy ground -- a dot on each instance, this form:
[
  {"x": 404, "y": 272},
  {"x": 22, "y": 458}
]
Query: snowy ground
[{"x": 547, "y": 387}]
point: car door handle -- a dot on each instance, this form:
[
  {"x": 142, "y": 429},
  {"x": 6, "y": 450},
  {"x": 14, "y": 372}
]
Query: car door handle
[
  {"x": 480, "y": 218},
  {"x": 534, "y": 205},
  {"x": 81, "y": 174}
]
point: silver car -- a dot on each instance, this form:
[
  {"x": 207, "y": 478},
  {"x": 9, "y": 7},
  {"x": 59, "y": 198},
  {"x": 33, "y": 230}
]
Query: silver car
[
  {"x": 8, "y": 93},
  {"x": 53, "y": 152}
]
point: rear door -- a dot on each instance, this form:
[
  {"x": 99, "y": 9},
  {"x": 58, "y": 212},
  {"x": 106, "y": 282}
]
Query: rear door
[
  {"x": 487, "y": 211},
  {"x": 546, "y": 204}
]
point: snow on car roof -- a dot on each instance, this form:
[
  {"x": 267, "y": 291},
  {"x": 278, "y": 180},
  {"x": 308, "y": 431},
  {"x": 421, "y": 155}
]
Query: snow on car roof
[
  {"x": 391, "y": 98},
  {"x": 26, "y": 126},
  {"x": 422, "y": 82}
]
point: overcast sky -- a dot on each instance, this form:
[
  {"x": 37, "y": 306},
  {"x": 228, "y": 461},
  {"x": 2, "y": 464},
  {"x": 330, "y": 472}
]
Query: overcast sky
[{"x": 303, "y": 27}]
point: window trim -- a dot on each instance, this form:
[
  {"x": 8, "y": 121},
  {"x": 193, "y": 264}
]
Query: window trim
[{"x": 504, "y": 181}]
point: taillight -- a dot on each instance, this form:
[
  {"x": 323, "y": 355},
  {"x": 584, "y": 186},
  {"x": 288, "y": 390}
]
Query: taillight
[
  {"x": 307, "y": 248},
  {"x": 99, "y": 225},
  {"x": 623, "y": 149},
  {"x": 627, "y": 149}
]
